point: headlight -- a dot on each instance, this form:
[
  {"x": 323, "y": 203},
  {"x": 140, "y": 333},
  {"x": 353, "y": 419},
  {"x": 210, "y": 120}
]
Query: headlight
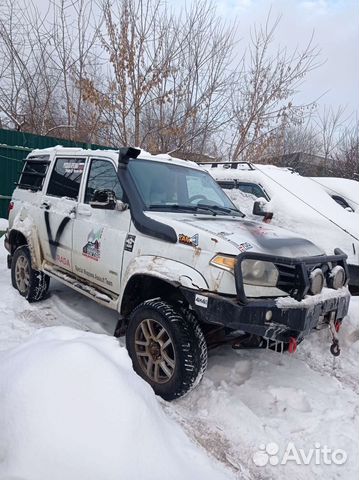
[
  {"x": 254, "y": 272},
  {"x": 316, "y": 281},
  {"x": 226, "y": 262},
  {"x": 337, "y": 277},
  {"x": 258, "y": 272}
]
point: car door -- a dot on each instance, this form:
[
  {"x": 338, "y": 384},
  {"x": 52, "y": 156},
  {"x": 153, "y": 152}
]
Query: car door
[
  {"x": 57, "y": 210},
  {"x": 99, "y": 234}
]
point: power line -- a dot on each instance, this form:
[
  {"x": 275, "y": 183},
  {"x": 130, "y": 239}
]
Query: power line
[{"x": 310, "y": 206}]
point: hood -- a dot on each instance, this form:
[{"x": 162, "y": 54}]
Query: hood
[{"x": 235, "y": 235}]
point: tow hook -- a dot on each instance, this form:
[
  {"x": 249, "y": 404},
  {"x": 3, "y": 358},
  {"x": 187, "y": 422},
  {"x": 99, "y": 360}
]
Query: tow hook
[
  {"x": 292, "y": 345},
  {"x": 334, "y": 328}
]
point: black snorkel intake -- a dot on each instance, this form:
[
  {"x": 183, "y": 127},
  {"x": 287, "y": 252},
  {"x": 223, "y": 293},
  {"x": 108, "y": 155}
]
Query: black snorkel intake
[{"x": 144, "y": 224}]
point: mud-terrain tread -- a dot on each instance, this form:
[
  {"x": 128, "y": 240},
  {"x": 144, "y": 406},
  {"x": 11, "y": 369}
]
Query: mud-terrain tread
[
  {"x": 39, "y": 281},
  {"x": 189, "y": 341}
]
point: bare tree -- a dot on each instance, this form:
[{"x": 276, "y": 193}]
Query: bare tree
[
  {"x": 168, "y": 75},
  {"x": 346, "y": 155},
  {"x": 263, "y": 95},
  {"x": 42, "y": 61},
  {"x": 330, "y": 123}
]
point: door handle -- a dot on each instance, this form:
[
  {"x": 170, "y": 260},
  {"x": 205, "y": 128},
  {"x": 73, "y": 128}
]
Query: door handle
[{"x": 84, "y": 210}]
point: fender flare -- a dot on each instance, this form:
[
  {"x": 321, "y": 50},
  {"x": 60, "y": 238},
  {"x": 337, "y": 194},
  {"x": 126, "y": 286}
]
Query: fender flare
[
  {"x": 27, "y": 227},
  {"x": 170, "y": 271}
]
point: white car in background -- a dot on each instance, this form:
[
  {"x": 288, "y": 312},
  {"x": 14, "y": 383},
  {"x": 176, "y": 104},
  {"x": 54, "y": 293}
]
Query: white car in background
[
  {"x": 297, "y": 203},
  {"x": 343, "y": 190}
]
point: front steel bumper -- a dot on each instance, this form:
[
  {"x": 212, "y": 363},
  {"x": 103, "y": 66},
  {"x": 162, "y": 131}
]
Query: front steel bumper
[
  {"x": 267, "y": 317},
  {"x": 280, "y": 318},
  {"x": 296, "y": 319}
]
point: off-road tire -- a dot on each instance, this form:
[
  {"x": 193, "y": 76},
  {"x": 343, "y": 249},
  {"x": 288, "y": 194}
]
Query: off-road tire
[
  {"x": 30, "y": 283},
  {"x": 188, "y": 345}
]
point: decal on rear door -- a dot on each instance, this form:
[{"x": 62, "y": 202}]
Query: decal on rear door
[
  {"x": 92, "y": 249},
  {"x": 55, "y": 242}
]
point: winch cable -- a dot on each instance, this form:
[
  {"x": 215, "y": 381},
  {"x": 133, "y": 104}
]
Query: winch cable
[
  {"x": 303, "y": 201},
  {"x": 332, "y": 190}
]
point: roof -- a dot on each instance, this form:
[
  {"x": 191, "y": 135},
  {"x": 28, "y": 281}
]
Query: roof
[{"x": 163, "y": 157}]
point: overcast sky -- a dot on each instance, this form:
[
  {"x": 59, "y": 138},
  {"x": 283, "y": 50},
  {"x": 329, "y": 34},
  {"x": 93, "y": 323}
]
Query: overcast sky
[
  {"x": 336, "y": 32},
  {"x": 335, "y": 24}
]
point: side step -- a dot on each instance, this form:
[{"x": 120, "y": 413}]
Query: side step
[{"x": 104, "y": 298}]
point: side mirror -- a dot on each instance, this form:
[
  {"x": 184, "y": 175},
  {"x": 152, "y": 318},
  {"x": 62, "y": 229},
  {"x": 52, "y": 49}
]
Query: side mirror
[
  {"x": 260, "y": 207},
  {"x": 104, "y": 199}
]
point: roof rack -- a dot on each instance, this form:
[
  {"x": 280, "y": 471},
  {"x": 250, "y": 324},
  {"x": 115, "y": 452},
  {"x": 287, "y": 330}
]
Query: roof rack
[{"x": 233, "y": 165}]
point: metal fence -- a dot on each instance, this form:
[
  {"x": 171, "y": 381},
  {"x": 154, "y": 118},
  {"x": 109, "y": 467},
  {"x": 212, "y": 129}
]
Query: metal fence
[{"x": 14, "y": 147}]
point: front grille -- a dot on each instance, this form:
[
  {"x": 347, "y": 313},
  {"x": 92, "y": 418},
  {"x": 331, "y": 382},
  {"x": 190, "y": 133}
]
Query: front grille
[{"x": 295, "y": 279}]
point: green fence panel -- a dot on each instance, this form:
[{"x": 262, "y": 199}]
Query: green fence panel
[{"x": 14, "y": 147}]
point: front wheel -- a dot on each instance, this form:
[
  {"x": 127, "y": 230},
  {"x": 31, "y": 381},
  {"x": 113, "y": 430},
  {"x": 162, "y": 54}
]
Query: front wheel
[{"x": 167, "y": 349}]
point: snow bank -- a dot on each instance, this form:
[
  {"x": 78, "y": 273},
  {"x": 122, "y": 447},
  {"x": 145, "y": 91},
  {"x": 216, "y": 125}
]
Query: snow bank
[
  {"x": 3, "y": 224},
  {"x": 72, "y": 408}
]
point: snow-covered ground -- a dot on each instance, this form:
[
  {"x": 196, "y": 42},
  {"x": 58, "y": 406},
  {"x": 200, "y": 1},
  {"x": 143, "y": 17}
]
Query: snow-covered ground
[{"x": 71, "y": 407}]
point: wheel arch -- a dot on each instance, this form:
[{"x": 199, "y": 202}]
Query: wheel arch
[
  {"x": 149, "y": 277},
  {"x": 141, "y": 287},
  {"x": 18, "y": 237}
]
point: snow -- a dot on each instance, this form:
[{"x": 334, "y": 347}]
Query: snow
[
  {"x": 300, "y": 205},
  {"x": 344, "y": 187},
  {"x": 71, "y": 407},
  {"x": 3, "y": 224},
  {"x": 310, "y": 300}
]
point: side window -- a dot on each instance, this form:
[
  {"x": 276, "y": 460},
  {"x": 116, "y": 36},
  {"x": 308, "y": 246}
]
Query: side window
[
  {"x": 66, "y": 177},
  {"x": 34, "y": 172},
  {"x": 228, "y": 185},
  {"x": 102, "y": 176},
  {"x": 253, "y": 189},
  {"x": 342, "y": 202}
]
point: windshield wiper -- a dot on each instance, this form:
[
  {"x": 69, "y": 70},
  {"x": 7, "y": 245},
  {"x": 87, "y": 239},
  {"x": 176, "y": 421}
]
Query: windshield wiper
[
  {"x": 218, "y": 208},
  {"x": 214, "y": 209},
  {"x": 164, "y": 206},
  {"x": 185, "y": 208}
]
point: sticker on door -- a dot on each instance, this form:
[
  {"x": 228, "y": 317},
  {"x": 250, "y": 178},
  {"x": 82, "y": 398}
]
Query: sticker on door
[{"x": 92, "y": 249}]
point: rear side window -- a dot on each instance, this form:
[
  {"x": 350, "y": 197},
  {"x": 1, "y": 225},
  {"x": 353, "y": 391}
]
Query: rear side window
[
  {"x": 245, "y": 187},
  {"x": 252, "y": 188},
  {"x": 228, "y": 185},
  {"x": 66, "y": 177},
  {"x": 34, "y": 173}
]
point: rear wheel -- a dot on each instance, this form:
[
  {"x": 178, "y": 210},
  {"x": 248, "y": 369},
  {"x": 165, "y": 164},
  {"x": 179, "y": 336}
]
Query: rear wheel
[
  {"x": 30, "y": 283},
  {"x": 167, "y": 349}
]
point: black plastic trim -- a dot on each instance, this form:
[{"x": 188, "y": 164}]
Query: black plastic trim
[
  {"x": 142, "y": 222},
  {"x": 354, "y": 275}
]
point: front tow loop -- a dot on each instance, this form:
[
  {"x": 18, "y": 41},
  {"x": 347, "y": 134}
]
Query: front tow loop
[{"x": 333, "y": 328}]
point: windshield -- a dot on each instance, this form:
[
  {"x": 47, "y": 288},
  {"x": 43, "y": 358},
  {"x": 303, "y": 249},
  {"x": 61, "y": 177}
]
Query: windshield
[{"x": 165, "y": 186}]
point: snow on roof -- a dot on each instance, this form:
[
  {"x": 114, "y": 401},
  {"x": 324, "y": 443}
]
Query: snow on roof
[
  {"x": 345, "y": 187},
  {"x": 301, "y": 205},
  {"x": 162, "y": 157}
]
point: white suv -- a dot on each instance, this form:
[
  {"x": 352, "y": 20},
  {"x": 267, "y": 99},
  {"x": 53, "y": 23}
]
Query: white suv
[{"x": 156, "y": 239}]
